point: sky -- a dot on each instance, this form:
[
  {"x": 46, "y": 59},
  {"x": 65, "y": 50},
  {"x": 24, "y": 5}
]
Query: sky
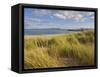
[{"x": 63, "y": 19}]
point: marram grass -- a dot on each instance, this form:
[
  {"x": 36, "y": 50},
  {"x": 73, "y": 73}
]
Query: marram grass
[{"x": 61, "y": 50}]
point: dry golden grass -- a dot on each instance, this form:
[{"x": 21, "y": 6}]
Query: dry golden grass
[{"x": 63, "y": 50}]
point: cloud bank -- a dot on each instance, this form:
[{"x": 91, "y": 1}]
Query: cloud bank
[{"x": 39, "y": 18}]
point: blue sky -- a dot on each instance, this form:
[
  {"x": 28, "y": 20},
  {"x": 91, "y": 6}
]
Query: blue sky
[{"x": 65, "y": 19}]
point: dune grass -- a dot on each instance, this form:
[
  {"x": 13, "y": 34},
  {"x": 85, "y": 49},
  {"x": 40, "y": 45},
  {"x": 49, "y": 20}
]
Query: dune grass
[{"x": 62, "y": 50}]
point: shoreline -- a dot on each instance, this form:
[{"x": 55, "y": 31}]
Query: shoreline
[
  {"x": 50, "y": 34},
  {"x": 43, "y": 36}
]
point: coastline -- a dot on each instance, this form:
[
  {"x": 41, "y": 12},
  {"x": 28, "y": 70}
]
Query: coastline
[{"x": 49, "y": 35}]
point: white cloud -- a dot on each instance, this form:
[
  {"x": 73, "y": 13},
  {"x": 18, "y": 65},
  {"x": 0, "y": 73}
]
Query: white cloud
[
  {"x": 63, "y": 14},
  {"x": 90, "y": 13},
  {"x": 74, "y": 15},
  {"x": 41, "y": 12},
  {"x": 60, "y": 16}
]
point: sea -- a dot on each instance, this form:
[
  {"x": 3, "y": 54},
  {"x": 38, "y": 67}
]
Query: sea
[{"x": 47, "y": 31}]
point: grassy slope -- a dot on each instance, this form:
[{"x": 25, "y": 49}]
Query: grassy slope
[{"x": 74, "y": 49}]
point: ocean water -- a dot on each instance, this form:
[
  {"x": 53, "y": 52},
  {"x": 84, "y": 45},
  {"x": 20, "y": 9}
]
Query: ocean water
[{"x": 45, "y": 31}]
